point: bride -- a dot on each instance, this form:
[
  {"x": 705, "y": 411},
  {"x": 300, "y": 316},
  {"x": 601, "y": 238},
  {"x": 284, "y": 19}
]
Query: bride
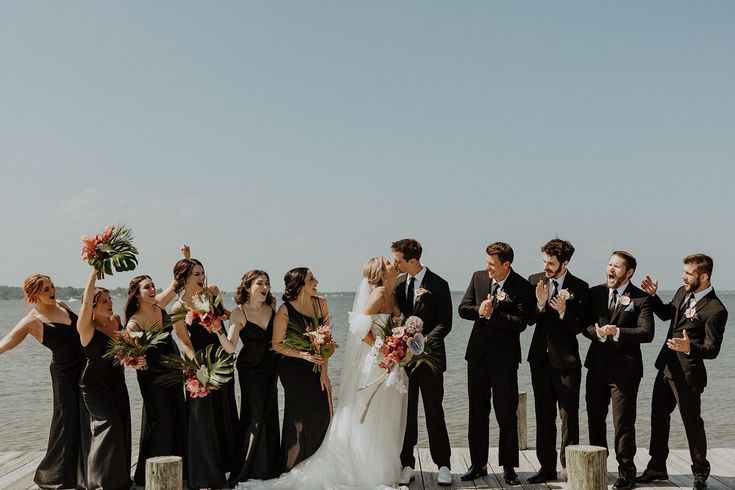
[{"x": 363, "y": 444}]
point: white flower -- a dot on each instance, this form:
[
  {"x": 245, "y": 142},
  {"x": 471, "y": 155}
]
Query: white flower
[
  {"x": 203, "y": 375},
  {"x": 624, "y": 300},
  {"x": 201, "y": 304},
  {"x": 690, "y": 313},
  {"x": 564, "y": 294},
  {"x": 420, "y": 292},
  {"x": 501, "y": 295},
  {"x": 378, "y": 342},
  {"x": 137, "y": 333}
]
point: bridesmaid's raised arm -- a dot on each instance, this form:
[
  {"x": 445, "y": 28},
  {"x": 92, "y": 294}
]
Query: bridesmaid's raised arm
[
  {"x": 85, "y": 327},
  {"x": 28, "y": 325},
  {"x": 166, "y": 296}
]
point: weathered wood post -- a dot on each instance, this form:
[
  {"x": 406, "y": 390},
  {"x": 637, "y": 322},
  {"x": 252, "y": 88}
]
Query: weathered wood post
[
  {"x": 164, "y": 473},
  {"x": 522, "y": 420},
  {"x": 586, "y": 468}
]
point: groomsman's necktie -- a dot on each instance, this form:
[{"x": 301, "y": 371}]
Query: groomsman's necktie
[
  {"x": 613, "y": 302},
  {"x": 556, "y": 289},
  {"x": 409, "y": 293},
  {"x": 496, "y": 286},
  {"x": 685, "y": 304}
]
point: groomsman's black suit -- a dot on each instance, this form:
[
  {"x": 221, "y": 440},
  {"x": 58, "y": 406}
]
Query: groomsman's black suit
[
  {"x": 683, "y": 376},
  {"x": 493, "y": 355},
  {"x": 556, "y": 369},
  {"x": 615, "y": 369},
  {"x": 435, "y": 308}
]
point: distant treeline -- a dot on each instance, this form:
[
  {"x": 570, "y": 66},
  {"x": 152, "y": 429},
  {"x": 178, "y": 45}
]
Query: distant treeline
[{"x": 62, "y": 293}]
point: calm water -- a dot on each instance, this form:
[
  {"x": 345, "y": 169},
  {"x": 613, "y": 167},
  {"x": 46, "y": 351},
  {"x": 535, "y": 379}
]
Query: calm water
[{"x": 25, "y": 391}]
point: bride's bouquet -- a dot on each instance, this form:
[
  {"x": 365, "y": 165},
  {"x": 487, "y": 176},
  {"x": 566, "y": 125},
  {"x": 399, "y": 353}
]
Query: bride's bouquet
[
  {"x": 111, "y": 249},
  {"x": 205, "y": 311},
  {"x": 205, "y": 373},
  {"x": 127, "y": 348},
  {"x": 399, "y": 344},
  {"x": 316, "y": 340}
]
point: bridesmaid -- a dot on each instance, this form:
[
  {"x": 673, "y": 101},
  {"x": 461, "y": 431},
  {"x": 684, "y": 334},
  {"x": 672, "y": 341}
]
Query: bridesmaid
[
  {"x": 258, "y": 434},
  {"x": 308, "y": 394},
  {"x": 211, "y": 420},
  {"x": 54, "y": 325},
  {"x": 163, "y": 428},
  {"x": 104, "y": 392}
]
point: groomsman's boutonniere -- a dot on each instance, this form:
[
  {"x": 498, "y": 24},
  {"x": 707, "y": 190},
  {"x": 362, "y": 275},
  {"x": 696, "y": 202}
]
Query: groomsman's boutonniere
[
  {"x": 624, "y": 300},
  {"x": 421, "y": 292},
  {"x": 691, "y": 313},
  {"x": 565, "y": 295},
  {"x": 501, "y": 295}
]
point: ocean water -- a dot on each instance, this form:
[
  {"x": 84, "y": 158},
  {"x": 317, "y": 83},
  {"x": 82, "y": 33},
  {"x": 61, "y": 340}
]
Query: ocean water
[{"x": 25, "y": 391}]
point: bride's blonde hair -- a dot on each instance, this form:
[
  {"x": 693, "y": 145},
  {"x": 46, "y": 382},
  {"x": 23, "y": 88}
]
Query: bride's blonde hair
[{"x": 374, "y": 271}]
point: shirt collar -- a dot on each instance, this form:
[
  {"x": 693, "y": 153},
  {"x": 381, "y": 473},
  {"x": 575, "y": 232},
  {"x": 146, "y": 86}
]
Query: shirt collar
[
  {"x": 501, "y": 283},
  {"x": 620, "y": 290},
  {"x": 419, "y": 277},
  {"x": 559, "y": 279},
  {"x": 702, "y": 294}
]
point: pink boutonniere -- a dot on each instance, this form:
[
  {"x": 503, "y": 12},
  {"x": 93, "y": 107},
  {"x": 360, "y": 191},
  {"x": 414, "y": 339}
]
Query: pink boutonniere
[
  {"x": 624, "y": 300},
  {"x": 420, "y": 292},
  {"x": 690, "y": 313},
  {"x": 565, "y": 295},
  {"x": 501, "y": 295}
]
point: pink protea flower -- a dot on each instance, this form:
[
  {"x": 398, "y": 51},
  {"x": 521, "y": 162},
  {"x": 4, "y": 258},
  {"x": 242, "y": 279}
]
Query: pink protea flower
[
  {"x": 195, "y": 389},
  {"x": 191, "y": 316},
  {"x": 89, "y": 247},
  {"x": 414, "y": 325}
]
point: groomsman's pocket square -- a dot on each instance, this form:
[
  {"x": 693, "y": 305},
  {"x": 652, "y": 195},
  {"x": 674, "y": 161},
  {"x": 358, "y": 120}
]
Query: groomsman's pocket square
[{"x": 630, "y": 307}]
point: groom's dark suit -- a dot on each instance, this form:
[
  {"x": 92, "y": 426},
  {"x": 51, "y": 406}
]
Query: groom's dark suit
[
  {"x": 434, "y": 307},
  {"x": 615, "y": 368},
  {"x": 556, "y": 369},
  {"x": 682, "y": 377},
  {"x": 493, "y": 355}
]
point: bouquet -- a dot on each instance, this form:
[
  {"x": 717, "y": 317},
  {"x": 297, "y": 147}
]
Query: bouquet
[
  {"x": 127, "y": 348},
  {"x": 399, "y": 344},
  {"x": 112, "y": 248},
  {"x": 205, "y": 310},
  {"x": 203, "y": 374},
  {"x": 403, "y": 345},
  {"x": 316, "y": 340}
]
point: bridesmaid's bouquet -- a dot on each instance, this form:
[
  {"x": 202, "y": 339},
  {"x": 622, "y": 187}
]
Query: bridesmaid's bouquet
[
  {"x": 205, "y": 310},
  {"x": 127, "y": 348},
  {"x": 401, "y": 344},
  {"x": 316, "y": 340},
  {"x": 111, "y": 249},
  {"x": 205, "y": 373}
]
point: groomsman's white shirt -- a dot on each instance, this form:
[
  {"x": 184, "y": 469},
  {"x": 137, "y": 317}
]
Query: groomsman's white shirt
[
  {"x": 620, "y": 291},
  {"x": 559, "y": 280}
]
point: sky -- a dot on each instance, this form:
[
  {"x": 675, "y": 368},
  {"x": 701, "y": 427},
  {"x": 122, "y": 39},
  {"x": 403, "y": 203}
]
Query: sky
[{"x": 273, "y": 135}]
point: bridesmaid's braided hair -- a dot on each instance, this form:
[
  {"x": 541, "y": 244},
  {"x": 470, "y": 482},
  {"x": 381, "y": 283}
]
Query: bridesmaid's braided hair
[{"x": 294, "y": 280}]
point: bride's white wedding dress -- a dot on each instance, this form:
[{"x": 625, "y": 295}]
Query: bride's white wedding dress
[{"x": 356, "y": 455}]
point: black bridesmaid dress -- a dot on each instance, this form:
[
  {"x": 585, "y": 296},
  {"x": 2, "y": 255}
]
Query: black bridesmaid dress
[
  {"x": 106, "y": 398},
  {"x": 306, "y": 406},
  {"x": 163, "y": 429},
  {"x": 64, "y": 465},
  {"x": 211, "y": 425},
  {"x": 258, "y": 434}
]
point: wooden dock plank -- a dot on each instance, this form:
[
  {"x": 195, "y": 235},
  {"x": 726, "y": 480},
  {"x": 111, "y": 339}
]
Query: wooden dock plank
[
  {"x": 25, "y": 465},
  {"x": 8, "y": 456}
]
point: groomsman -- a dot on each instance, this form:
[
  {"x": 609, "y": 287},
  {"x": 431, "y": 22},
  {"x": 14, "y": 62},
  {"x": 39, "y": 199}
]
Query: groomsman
[
  {"x": 499, "y": 301},
  {"x": 422, "y": 293},
  {"x": 698, "y": 320},
  {"x": 619, "y": 320},
  {"x": 556, "y": 368}
]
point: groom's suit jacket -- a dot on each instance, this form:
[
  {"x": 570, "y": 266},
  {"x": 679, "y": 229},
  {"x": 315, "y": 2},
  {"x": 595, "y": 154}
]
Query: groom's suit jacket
[
  {"x": 705, "y": 331},
  {"x": 433, "y": 307},
  {"x": 497, "y": 337}
]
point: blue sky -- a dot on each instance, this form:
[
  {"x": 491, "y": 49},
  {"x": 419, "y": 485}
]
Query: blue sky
[{"x": 278, "y": 134}]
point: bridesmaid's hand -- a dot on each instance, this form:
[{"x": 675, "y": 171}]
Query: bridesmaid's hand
[
  {"x": 315, "y": 358},
  {"x": 185, "y": 251},
  {"x": 142, "y": 364}
]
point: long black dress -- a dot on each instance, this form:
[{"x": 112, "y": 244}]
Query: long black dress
[
  {"x": 258, "y": 434},
  {"x": 106, "y": 398},
  {"x": 306, "y": 406},
  {"x": 163, "y": 429},
  {"x": 64, "y": 465},
  {"x": 211, "y": 425}
]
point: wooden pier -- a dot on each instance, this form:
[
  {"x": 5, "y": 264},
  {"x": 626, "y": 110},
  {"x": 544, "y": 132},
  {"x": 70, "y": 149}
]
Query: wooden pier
[{"x": 17, "y": 469}]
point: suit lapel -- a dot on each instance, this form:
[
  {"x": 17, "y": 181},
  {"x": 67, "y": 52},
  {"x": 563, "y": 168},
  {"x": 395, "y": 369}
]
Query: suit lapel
[{"x": 697, "y": 306}]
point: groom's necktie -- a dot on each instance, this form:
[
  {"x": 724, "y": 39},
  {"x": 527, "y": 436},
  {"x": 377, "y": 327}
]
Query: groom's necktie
[{"x": 409, "y": 293}]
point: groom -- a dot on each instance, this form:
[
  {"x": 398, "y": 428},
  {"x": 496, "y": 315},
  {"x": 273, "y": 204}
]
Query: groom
[{"x": 420, "y": 292}]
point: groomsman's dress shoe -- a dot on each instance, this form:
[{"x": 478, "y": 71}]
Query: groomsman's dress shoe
[
  {"x": 542, "y": 476},
  {"x": 700, "y": 482},
  {"x": 445, "y": 476},
  {"x": 650, "y": 475},
  {"x": 406, "y": 475},
  {"x": 510, "y": 476},
  {"x": 473, "y": 472},
  {"x": 624, "y": 482}
]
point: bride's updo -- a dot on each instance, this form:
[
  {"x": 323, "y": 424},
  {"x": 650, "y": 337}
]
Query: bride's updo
[{"x": 374, "y": 271}]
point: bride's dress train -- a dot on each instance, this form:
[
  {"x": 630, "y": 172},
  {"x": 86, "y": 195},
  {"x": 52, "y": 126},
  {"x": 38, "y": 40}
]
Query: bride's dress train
[{"x": 356, "y": 455}]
